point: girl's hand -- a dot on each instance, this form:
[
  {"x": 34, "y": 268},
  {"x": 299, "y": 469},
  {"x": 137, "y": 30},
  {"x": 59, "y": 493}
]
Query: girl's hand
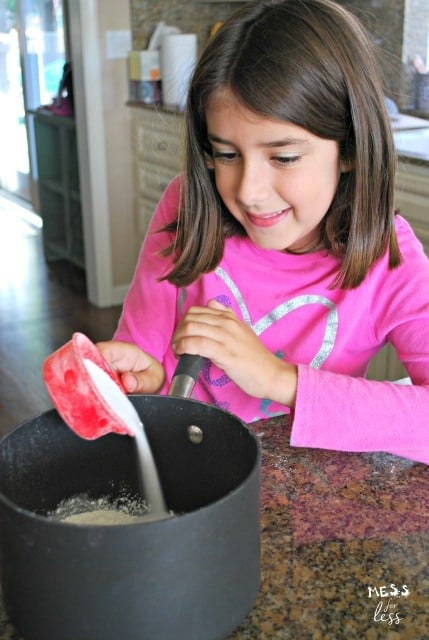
[
  {"x": 140, "y": 372},
  {"x": 216, "y": 333}
]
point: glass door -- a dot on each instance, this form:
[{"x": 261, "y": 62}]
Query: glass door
[{"x": 32, "y": 56}]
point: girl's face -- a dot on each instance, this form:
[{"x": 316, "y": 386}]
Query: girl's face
[{"x": 277, "y": 179}]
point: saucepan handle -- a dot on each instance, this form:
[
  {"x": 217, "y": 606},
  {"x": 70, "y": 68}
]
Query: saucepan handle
[{"x": 186, "y": 375}]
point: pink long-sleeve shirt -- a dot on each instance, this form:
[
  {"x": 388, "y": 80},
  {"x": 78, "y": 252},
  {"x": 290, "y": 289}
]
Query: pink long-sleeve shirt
[{"x": 331, "y": 334}]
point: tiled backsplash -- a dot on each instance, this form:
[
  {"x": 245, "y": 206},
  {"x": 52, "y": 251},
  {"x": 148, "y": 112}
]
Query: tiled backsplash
[
  {"x": 383, "y": 18},
  {"x": 190, "y": 16}
]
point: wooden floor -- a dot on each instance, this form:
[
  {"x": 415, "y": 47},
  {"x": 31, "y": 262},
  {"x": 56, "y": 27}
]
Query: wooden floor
[{"x": 40, "y": 307}]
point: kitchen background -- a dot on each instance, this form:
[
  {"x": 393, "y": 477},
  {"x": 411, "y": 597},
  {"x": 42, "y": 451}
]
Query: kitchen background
[
  {"x": 400, "y": 28},
  {"x": 109, "y": 130}
]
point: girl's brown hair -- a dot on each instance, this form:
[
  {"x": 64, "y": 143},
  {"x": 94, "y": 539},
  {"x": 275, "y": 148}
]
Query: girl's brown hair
[{"x": 311, "y": 63}]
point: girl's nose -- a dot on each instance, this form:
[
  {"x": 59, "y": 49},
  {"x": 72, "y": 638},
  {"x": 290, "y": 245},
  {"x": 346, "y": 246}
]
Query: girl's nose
[{"x": 254, "y": 186}]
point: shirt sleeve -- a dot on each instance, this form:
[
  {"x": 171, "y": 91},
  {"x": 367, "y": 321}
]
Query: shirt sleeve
[
  {"x": 336, "y": 411},
  {"x": 149, "y": 310}
]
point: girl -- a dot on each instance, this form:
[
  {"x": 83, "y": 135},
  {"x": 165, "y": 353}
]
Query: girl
[{"x": 277, "y": 254}]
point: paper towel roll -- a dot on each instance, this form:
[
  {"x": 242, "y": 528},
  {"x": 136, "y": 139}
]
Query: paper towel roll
[{"x": 178, "y": 58}]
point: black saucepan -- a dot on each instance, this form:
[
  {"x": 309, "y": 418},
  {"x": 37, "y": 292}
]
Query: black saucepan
[{"x": 190, "y": 577}]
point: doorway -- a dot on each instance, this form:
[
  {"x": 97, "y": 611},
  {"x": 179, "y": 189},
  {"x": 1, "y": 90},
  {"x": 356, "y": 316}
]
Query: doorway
[{"x": 32, "y": 56}]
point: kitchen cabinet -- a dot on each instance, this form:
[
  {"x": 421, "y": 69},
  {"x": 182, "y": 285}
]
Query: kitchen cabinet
[
  {"x": 157, "y": 136},
  {"x": 386, "y": 366},
  {"x": 412, "y": 200},
  {"x": 58, "y": 183},
  {"x": 412, "y": 197}
]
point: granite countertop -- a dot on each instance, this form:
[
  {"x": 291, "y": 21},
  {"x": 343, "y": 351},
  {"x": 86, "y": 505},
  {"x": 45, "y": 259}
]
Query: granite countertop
[
  {"x": 413, "y": 145},
  {"x": 335, "y": 525},
  {"x": 403, "y": 121},
  {"x": 411, "y": 136},
  {"x": 338, "y": 529}
]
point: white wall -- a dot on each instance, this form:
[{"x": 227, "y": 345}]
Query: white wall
[{"x": 105, "y": 151}]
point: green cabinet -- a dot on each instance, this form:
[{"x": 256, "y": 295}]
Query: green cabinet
[{"x": 58, "y": 183}]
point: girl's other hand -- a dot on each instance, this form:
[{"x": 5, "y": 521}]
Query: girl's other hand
[
  {"x": 216, "y": 333},
  {"x": 140, "y": 372}
]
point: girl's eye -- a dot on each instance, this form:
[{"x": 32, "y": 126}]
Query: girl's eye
[
  {"x": 225, "y": 156},
  {"x": 287, "y": 160},
  {"x": 232, "y": 156}
]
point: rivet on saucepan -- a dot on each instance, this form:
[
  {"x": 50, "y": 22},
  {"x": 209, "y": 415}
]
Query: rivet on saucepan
[{"x": 195, "y": 434}]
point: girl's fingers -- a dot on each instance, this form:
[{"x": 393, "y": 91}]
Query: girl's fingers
[
  {"x": 214, "y": 323},
  {"x": 124, "y": 356},
  {"x": 140, "y": 372},
  {"x": 149, "y": 381}
]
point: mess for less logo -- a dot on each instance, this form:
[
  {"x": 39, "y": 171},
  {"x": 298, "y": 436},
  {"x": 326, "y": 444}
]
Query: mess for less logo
[{"x": 386, "y": 609}]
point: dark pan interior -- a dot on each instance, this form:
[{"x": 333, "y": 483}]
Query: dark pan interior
[{"x": 43, "y": 462}]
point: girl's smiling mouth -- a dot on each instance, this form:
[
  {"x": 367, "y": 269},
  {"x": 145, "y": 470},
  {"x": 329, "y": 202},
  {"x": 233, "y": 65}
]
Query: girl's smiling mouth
[{"x": 267, "y": 219}]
